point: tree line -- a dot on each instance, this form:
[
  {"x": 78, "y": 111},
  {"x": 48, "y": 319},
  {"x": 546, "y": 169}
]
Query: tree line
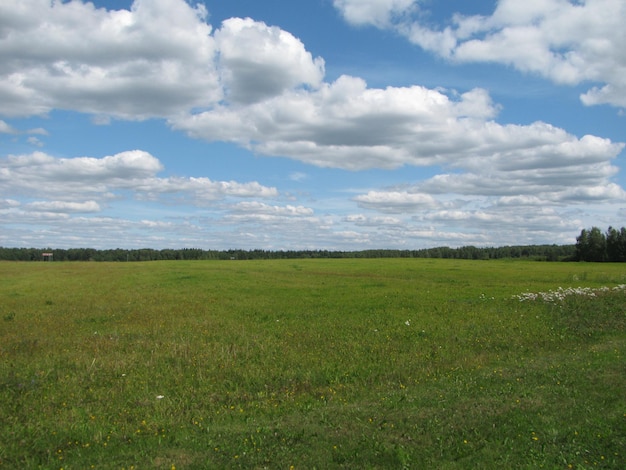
[
  {"x": 591, "y": 245},
  {"x": 534, "y": 252},
  {"x": 594, "y": 245}
]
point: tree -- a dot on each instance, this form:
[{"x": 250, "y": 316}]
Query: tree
[
  {"x": 591, "y": 245},
  {"x": 582, "y": 245},
  {"x": 597, "y": 245},
  {"x": 616, "y": 244}
]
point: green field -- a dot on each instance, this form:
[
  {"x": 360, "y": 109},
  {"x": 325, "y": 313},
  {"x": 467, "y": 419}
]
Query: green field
[{"x": 384, "y": 363}]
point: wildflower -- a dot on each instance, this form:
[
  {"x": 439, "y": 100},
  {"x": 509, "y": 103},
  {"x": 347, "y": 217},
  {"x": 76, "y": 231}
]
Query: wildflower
[
  {"x": 553, "y": 296},
  {"x": 407, "y": 323}
]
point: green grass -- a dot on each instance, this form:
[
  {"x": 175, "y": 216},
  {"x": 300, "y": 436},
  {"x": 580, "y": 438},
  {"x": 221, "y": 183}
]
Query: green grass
[{"x": 393, "y": 363}]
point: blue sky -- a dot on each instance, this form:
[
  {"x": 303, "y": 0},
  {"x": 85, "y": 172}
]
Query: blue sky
[{"x": 319, "y": 124}]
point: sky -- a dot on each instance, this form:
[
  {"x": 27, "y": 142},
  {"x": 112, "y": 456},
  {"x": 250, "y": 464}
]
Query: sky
[{"x": 316, "y": 124}]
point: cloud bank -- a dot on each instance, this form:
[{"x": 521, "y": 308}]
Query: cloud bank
[{"x": 257, "y": 86}]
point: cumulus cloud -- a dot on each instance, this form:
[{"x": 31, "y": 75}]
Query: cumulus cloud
[
  {"x": 204, "y": 190},
  {"x": 256, "y": 207},
  {"x": 381, "y": 13},
  {"x": 258, "y": 61},
  {"x": 468, "y": 225},
  {"x": 63, "y": 206},
  {"x": 522, "y": 207},
  {"x": 71, "y": 55},
  {"x": 376, "y": 221},
  {"x": 565, "y": 179},
  {"x": 157, "y": 59},
  {"x": 40, "y": 173},
  {"x": 568, "y": 42},
  {"x": 63, "y": 180},
  {"x": 519, "y": 226},
  {"x": 347, "y": 125},
  {"x": 6, "y": 128},
  {"x": 396, "y": 201}
]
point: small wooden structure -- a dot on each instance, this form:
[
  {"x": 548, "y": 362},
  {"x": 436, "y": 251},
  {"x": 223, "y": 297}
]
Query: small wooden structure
[{"x": 47, "y": 256}]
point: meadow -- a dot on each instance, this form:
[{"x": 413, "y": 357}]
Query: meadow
[{"x": 303, "y": 364}]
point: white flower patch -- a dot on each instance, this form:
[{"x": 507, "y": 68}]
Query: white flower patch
[{"x": 561, "y": 293}]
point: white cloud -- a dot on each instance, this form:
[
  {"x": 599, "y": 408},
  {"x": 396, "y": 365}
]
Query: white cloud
[
  {"x": 256, "y": 207},
  {"x": 63, "y": 206},
  {"x": 47, "y": 200},
  {"x": 347, "y": 125},
  {"x": 377, "y": 221},
  {"x": 377, "y": 12},
  {"x": 518, "y": 227},
  {"x": 34, "y": 141},
  {"x": 67, "y": 179},
  {"x": 37, "y": 131},
  {"x": 130, "y": 64},
  {"x": 298, "y": 176},
  {"x": 8, "y": 203},
  {"x": 284, "y": 223},
  {"x": 475, "y": 194},
  {"x": 520, "y": 201},
  {"x": 258, "y": 61},
  {"x": 396, "y": 201},
  {"x": 7, "y": 129},
  {"x": 200, "y": 191},
  {"x": 41, "y": 167},
  {"x": 564, "y": 41}
]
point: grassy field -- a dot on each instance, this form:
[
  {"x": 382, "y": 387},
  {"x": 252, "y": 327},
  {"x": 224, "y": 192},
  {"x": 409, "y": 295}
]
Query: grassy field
[{"x": 390, "y": 363}]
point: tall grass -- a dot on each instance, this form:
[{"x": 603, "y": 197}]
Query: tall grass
[{"x": 394, "y": 363}]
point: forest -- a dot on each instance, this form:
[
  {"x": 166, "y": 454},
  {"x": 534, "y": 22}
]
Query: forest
[{"x": 591, "y": 245}]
